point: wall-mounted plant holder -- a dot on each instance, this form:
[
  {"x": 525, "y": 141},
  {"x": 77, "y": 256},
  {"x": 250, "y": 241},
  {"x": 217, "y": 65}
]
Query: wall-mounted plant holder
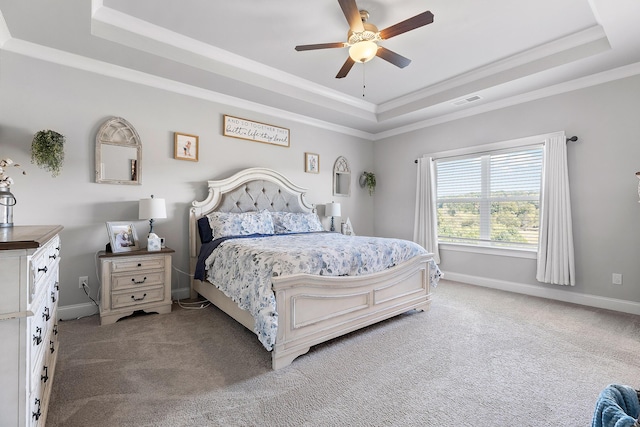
[{"x": 368, "y": 180}]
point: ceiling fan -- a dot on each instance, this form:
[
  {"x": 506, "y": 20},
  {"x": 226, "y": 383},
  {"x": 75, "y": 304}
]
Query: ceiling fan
[{"x": 363, "y": 37}]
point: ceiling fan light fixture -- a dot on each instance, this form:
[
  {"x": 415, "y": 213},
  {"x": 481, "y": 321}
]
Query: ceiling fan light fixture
[{"x": 363, "y": 51}]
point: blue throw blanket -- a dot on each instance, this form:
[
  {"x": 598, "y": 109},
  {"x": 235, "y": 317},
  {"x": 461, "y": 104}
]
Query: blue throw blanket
[{"x": 617, "y": 406}]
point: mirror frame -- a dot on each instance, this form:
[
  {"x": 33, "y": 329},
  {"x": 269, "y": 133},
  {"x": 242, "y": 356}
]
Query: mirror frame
[
  {"x": 118, "y": 132},
  {"x": 340, "y": 168}
]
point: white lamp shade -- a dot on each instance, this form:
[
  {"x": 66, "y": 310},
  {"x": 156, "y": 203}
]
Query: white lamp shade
[
  {"x": 332, "y": 209},
  {"x": 152, "y": 208}
]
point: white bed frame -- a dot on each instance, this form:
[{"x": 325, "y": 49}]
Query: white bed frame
[{"x": 311, "y": 309}]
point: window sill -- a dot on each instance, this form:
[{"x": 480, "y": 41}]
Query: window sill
[{"x": 485, "y": 250}]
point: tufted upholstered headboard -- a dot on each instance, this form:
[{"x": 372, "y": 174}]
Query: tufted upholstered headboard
[{"x": 248, "y": 190}]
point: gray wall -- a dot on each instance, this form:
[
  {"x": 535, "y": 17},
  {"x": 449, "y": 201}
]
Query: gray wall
[
  {"x": 602, "y": 167},
  {"x": 37, "y": 95}
]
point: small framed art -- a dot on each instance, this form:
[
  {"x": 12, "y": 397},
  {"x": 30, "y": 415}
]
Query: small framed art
[
  {"x": 122, "y": 236},
  {"x": 185, "y": 146},
  {"x": 311, "y": 163}
]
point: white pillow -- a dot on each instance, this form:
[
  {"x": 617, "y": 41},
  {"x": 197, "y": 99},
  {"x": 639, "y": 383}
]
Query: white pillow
[
  {"x": 296, "y": 222},
  {"x": 224, "y": 224}
]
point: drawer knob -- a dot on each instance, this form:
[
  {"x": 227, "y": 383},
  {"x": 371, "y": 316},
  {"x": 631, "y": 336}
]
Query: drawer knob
[
  {"x": 139, "y": 265},
  {"x": 139, "y": 282},
  {"x": 36, "y": 415},
  {"x": 55, "y": 329},
  {"x": 43, "y": 269},
  {"x": 44, "y": 378},
  {"x": 138, "y": 299},
  {"x": 37, "y": 339},
  {"x": 46, "y": 315},
  {"x": 52, "y": 346},
  {"x": 54, "y": 256},
  {"x": 53, "y": 296}
]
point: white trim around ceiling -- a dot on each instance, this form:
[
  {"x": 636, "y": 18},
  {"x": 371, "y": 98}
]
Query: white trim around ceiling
[
  {"x": 79, "y": 62},
  {"x": 133, "y": 32},
  {"x": 21, "y": 47},
  {"x": 576, "y": 84}
]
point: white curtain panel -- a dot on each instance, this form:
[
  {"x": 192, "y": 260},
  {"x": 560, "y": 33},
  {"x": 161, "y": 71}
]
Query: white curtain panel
[
  {"x": 556, "y": 262},
  {"x": 425, "y": 227}
]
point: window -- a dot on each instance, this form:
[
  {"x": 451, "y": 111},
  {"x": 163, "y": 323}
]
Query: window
[{"x": 490, "y": 198}]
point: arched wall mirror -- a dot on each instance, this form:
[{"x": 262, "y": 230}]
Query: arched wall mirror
[
  {"x": 341, "y": 177},
  {"x": 118, "y": 153}
]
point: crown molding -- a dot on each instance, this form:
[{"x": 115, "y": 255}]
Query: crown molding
[
  {"x": 130, "y": 31},
  {"x": 569, "y": 86},
  {"x": 29, "y": 49}
]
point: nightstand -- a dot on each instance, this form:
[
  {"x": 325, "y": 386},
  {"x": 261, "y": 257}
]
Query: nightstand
[{"x": 132, "y": 281}]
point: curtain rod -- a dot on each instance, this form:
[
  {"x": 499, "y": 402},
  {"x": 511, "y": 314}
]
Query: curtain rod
[{"x": 572, "y": 139}]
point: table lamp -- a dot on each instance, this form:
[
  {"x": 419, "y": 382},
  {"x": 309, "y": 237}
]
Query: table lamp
[
  {"x": 150, "y": 209},
  {"x": 332, "y": 209}
]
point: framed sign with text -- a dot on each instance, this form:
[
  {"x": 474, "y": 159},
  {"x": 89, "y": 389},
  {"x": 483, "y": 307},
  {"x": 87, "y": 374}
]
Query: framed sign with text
[{"x": 236, "y": 127}]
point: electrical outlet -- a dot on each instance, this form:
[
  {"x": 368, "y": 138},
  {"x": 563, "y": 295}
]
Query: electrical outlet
[
  {"x": 83, "y": 281},
  {"x": 616, "y": 279}
]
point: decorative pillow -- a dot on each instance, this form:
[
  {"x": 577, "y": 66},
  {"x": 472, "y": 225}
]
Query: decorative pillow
[
  {"x": 225, "y": 224},
  {"x": 296, "y": 222},
  {"x": 206, "y": 234}
]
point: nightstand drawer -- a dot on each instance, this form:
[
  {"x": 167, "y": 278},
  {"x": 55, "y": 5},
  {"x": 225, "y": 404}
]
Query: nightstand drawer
[
  {"x": 137, "y": 298},
  {"x": 128, "y": 281},
  {"x": 137, "y": 264}
]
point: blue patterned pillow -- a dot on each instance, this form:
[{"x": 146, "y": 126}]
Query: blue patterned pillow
[
  {"x": 225, "y": 224},
  {"x": 296, "y": 222}
]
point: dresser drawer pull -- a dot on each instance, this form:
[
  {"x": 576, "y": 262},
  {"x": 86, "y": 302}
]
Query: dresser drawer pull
[
  {"x": 138, "y": 299},
  {"x": 139, "y": 282},
  {"x": 36, "y": 415},
  {"x": 52, "y": 346},
  {"x": 57, "y": 286},
  {"x": 139, "y": 265},
  {"x": 46, "y": 315},
  {"x": 37, "y": 339},
  {"x": 54, "y": 256},
  {"x": 42, "y": 269},
  {"x": 44, "y": 378},
  {"x": 55, "y": 329},
  {"x": 53, "y": 296}
]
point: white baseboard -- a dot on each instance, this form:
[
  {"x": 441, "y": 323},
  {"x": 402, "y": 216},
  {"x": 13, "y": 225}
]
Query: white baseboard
[
  {"x": 70, "y": 312},
  {"x": 555, "y": 294}
]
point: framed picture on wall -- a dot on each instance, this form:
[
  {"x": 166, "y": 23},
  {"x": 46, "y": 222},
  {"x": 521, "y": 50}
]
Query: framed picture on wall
[
  {"x": 185, "y": 146},
  {"x": 311, "y": 163},
  {"x": 122, "y": 236}
]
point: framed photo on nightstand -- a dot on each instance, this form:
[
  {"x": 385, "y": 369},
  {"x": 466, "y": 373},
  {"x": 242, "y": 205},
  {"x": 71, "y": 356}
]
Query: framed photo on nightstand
[{"x": 122, "y": 236}]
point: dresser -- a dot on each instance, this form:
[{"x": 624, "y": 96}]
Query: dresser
[
  {"x": 29, "y": 279},
  {"x": 132, "y": 281}
]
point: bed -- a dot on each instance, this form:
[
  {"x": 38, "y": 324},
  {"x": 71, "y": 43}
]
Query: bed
[{"x": 308, "y": 308}]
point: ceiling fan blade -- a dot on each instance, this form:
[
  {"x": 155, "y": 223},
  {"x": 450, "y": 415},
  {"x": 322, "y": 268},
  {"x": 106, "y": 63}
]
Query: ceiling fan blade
[
  {"x": 351, "y": 12},
  {"x": 392, "y": 57},
  {"x": 319, "y": 46},
  {"x": 407, "y": 25},
  {"x": 345, "y": 68}
]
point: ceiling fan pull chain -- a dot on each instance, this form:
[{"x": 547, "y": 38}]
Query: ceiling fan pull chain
[{"x": 363, "y": 81}]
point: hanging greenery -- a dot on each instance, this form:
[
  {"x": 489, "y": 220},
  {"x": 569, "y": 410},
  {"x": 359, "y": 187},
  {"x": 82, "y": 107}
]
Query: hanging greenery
[
  {"x": 369, "y": 180},
  {"x": 47, "y": 151}
]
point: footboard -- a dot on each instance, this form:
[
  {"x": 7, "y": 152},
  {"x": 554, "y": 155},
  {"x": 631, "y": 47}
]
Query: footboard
[{"x": 314, "y": 309}]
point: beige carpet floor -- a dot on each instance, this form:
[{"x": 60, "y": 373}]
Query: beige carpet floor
[{"x": 478, "y": 357}]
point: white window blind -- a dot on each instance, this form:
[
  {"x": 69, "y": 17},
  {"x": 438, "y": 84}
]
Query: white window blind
[{"x": 490, "y": 198}]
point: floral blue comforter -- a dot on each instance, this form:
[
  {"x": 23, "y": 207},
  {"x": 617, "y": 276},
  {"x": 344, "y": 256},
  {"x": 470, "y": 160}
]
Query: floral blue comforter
[{"x": 243, "y": 267}]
